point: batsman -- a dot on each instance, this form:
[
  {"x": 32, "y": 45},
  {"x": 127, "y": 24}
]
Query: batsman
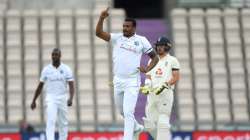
[{"x": 159, "y": 86}]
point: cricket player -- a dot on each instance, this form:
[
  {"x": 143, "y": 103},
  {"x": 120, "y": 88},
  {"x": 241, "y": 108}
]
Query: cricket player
[
  {"x": 159, "y": 85},
  {"x": 56, "y": 77},
  {"x": 128, "y": 48}
]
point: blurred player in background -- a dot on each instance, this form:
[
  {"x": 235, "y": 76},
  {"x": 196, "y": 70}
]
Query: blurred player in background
[
  {"x": 56, "y": 76},
  {"x": 159, "y": 85},
  {"x": 128, "y": 48},
  {"x": 25, "y": 127}
]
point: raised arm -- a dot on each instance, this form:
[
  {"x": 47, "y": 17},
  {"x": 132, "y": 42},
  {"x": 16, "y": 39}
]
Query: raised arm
[{"x": 99, "y": 27}]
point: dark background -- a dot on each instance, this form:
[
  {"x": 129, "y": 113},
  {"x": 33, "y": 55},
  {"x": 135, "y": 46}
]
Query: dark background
[{"x": 141, "y": 8}]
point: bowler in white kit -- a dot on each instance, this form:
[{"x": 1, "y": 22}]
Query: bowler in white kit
[
  {"x": 159, "y": 86},
  {"x": 128, "y": 48},
  {"x": 56, "y": 77}
]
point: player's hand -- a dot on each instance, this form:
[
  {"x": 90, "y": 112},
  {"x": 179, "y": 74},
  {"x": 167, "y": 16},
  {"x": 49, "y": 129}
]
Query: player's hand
[
  {"x": 161, "y": 88},
  {"x": 33, "y": 105},
  {"x": 145, "y": 90},
  {"x": 142, "y": 69},
  {"x": 104, "y": 13},
  {"x": 69, "y": 102}
]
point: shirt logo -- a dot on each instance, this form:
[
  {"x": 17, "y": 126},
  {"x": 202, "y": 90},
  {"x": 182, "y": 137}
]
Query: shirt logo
[
  {"x": 54, "y": 79},
  {"x": 61, "y": 71},
  {"x": 136, "y": 43},
  {"x": 128, "y": 48}
]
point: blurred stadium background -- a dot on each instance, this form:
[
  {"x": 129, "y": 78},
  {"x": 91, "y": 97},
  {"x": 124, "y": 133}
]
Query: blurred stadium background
[{"x": 210, "y": 37}]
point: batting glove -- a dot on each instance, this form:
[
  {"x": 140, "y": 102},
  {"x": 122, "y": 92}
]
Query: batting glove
[
  {"x": 145, "y": 90},
  {"x": 161, "y": 88}
]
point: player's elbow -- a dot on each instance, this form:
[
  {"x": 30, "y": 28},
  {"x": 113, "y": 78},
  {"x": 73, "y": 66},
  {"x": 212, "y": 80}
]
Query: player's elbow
[
  {"x": 103, "y": 35},
  {"x": 98, "y": 33},
  {"x": 155, "y": 59},
  {"x": 177, "y": 77}
]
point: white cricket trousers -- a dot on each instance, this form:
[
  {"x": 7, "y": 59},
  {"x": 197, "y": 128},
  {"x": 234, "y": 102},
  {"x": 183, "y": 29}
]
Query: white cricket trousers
[
  {"x": 158, "y": 110},
  {"x": 126, "y": 92},
  {"x": 57, "y": 111},
  {"x": 158, "y": 104}
]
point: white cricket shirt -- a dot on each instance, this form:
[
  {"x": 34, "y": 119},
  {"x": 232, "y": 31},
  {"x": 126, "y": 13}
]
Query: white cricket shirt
[
  {"x": 162, "y": 72},
  {"x": 56, "y": 80},
  {"x": 127, "y": 54}
]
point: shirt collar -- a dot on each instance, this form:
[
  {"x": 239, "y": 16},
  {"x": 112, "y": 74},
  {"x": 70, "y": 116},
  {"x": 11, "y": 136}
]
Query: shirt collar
[
  {"x": 129, "y": 37},
  {"x": 52, "y": 66},
  {"x": 165, "y": 57}
]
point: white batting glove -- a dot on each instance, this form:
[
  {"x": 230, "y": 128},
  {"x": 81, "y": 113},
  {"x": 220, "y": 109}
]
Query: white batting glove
[
  {"x": 159, "y": 89},
  {"x": 147, "y": 88}
]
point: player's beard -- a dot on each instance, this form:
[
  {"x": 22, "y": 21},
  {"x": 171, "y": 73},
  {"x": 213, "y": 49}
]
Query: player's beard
[
  {"x": 127, "y": 33},
  {"x": 56, "y": 63}
]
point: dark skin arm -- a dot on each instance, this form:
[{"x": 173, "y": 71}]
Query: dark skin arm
[
  {"x": 71, "y": 93},
  {"x": 99, "y": 27},
  {"x": 37, "y": 93},
  {"x": 154, "y": 60}
]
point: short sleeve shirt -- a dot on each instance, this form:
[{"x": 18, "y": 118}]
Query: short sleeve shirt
[
  {"x": 127, "y": 53},
  {"x": 162, "y": 72},
  {"x": 56, "y": 80}
]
